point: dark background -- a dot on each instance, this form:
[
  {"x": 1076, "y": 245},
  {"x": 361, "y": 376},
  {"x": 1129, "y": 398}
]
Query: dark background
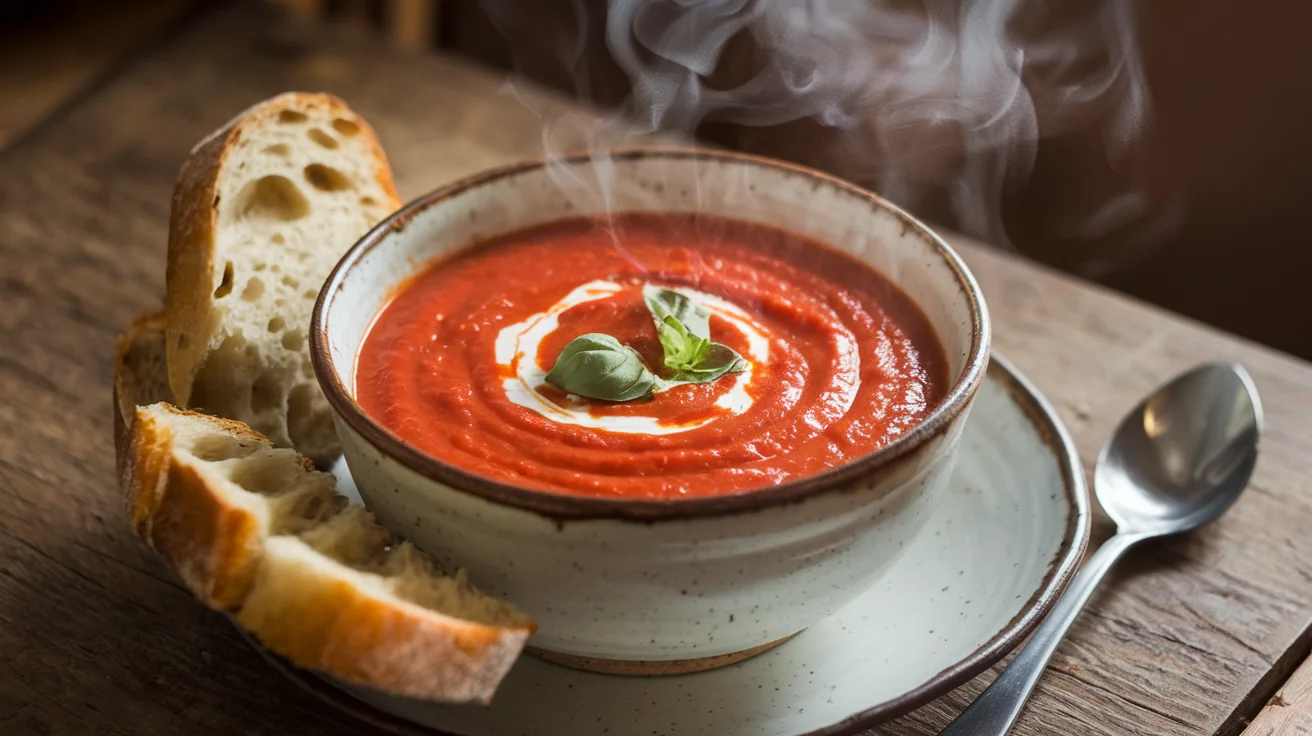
[{"x": 1231, "y": 85}]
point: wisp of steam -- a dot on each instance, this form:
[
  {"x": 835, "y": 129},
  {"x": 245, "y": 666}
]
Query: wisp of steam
[{"x": 938, "y": 102}]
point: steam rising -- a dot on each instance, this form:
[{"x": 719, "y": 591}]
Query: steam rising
[{"x": 930, "y": 103}]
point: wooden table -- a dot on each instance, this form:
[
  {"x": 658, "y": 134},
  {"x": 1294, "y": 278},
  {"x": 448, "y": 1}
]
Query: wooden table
[{"x": 1192, "y": 636}]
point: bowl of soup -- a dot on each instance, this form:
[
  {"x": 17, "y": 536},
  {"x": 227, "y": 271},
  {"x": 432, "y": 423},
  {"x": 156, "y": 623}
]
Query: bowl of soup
[{"x": 678, "y": 405}]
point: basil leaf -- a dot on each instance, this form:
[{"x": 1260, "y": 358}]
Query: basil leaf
[
  {"x": 665, "y": 303},
  {"x": 600, "y": 367},
  {"x": 719, "y": 360},
  {"x": 683, "y": 351}
]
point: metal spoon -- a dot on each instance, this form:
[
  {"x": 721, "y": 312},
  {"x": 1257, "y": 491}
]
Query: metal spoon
[{"x": 1175, "y": 463}]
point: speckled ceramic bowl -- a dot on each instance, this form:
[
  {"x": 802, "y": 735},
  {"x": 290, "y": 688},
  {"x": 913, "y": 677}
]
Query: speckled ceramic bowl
[{"x": 659, "y": 586}]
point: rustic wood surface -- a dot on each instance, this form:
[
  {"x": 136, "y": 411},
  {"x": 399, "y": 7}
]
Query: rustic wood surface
[
  {"x": 44, "y": 62},
  {"x": 1289, "y": 713},
  {"x": 1191, "y": 636}
]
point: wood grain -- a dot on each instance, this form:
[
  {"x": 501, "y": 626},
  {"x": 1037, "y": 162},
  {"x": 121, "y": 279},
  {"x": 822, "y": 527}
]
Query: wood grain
[
  {"x": 46, "y": 61},
  {"x": 1290, "y": 710},
  {"x": 1191, "y": 637}
]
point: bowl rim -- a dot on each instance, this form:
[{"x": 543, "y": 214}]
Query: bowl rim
[{"x": 561, "y": 506}]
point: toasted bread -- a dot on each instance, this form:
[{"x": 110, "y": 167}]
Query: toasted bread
[
  {"x": 256, "y": 531},
  {"x": 262, "y": 210}
]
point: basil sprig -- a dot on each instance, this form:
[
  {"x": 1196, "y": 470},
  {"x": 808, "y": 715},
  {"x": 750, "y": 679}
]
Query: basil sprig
[
  {"x": 684, "y": 329},
  {"x": 600, "y": 367}
]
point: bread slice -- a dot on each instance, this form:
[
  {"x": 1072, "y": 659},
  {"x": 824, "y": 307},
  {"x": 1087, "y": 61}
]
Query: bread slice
[
  {"x": 262, "y": 211},
  {"x": 256, "y": 531}
]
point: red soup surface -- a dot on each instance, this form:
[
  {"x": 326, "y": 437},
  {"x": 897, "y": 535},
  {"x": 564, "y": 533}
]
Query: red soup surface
[{"x": 841, "y": 362}]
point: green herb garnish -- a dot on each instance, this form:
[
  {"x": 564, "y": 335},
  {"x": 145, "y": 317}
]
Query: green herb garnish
[
  {"x": 685, "y": 332},
  {"x": 600, "y": 367}
]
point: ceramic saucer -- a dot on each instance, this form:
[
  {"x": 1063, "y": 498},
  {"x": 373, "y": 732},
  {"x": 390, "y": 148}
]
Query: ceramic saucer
[{"x": 998, "y": 551}]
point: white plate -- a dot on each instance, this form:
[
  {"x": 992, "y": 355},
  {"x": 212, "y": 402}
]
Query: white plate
[{"x": 990, "y": 563}]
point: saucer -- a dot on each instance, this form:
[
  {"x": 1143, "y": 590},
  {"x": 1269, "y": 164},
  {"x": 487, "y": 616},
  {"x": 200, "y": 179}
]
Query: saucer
[{"x": 990, "y": 563}]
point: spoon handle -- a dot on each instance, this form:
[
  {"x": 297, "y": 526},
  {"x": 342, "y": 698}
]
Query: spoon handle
[{"x": 996, "y": 709}]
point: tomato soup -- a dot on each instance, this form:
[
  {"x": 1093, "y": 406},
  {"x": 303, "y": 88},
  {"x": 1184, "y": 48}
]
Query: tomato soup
[{"x": 836, "y": 361}]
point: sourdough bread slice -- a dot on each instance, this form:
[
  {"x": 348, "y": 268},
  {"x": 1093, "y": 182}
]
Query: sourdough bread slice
[
  {"x": 256, "y": 531},
  {"x": 262, "y": 210}
]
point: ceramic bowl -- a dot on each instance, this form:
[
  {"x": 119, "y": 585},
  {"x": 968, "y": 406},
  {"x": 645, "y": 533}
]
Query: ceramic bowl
[{"x": 630, "y": 586}]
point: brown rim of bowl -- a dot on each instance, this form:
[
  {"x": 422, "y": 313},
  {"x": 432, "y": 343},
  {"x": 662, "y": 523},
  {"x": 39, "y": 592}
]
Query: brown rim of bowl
[
  {"x": 1061, "y": 569},
  {"x": 561, "y": 507}
]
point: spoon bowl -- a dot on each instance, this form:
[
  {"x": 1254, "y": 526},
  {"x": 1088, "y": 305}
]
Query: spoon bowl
[{"x": 1181, "y": 457}]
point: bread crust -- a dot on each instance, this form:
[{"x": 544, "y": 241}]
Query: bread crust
[
  {"x": 125, "y": 378},
  {"x": 138, "y": 478},
  {"x": 189, "y": 273},
  {"x": 145, "y": 475}
]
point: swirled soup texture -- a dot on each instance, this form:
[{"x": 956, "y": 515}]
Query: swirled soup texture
[{"x": 841, "y": 362}]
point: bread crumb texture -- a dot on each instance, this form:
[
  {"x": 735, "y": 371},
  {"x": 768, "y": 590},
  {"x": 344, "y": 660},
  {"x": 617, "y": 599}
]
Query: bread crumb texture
[
  {"x": 290, "y": 186},
  {"x": 257, "y": 531}
]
